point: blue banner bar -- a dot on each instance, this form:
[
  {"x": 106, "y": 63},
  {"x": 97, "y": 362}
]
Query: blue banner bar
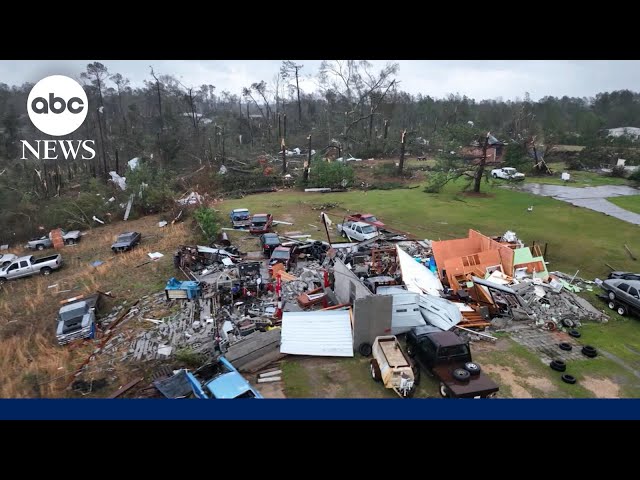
[{"x": 320, "y": 409}]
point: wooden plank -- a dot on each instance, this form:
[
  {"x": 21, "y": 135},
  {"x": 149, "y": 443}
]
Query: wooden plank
[
  {"x": 394, "y": 355},
  {"x": 125, "y": 388}
]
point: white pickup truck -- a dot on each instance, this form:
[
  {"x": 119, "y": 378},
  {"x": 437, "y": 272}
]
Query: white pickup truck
[
  {"x": 359, "y": 231},
  {"x": 507, "y": 173},
  {"x": 27, "y": 266}
]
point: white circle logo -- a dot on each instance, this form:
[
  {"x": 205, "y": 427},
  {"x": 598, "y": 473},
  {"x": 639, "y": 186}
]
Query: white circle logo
[{"x": 57, "y": 105}]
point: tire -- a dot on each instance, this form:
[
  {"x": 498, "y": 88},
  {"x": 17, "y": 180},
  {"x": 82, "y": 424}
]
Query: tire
[
  {"x": 3, "y": 281},
  {"x": 589, "y": 351},
  {"x": 70, "y": 241},
  {"x": 444, "y": 391},
  {"x": 45, "y": 271},
  {"x": 461, "y": 375},
  {"x": 612, "y": 305},
  {"x": 365, "y": 349},
  {"x": 621, "y": 310},
  {"x": 473, "y": 368},
  {"x": 565, "y": 346},
  {"x": 410, "y": 350},
  {"x": 612, "y": 296},
  {"x": 374, "y": 368},
  {"x": 40, "y": 247},
  {"x": 570, "y": 379},
  {"x": 344, "y": 235},
  {"x": 575, "y": 333},
  {"x": 567, "y": 322},
  {"x": 558, "y": 365},
  {"x": 495, "y": 175}
]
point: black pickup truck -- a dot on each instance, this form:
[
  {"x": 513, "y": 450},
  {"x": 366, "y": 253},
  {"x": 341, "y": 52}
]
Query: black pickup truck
[{"x": 448, "y": 358}]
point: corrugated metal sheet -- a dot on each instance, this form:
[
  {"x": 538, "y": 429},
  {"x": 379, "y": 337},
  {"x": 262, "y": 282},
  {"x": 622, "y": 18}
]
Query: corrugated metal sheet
[{"x": 322, "y": 334}]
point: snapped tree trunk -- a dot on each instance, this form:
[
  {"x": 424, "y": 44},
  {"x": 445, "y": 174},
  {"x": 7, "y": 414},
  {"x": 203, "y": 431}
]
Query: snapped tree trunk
[
  {"x": 477, "y": 178},
  {"x": 307, "y": 164},
  {"x": 117, "y": 163},
  {"x": 299, "y": 104},
  {"x": 402, "y": 146},
  {"x": 104, "y": 156},
  {"x": 284, "y": 157}
]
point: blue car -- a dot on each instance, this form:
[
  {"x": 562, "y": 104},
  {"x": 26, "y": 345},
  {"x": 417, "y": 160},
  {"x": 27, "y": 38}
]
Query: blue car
[{"x": 218, "y": 379}]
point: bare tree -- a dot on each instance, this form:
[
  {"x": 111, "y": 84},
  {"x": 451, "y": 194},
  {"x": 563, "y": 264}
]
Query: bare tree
[
  {"x": 402, "y": 147},
  {"x": 287, "y": 69},
  {"x": 96, "y": 72},
  {"x": 121, "y": 84},
  {"x": 159, "y": 99},
  {"x": 358, "y": 89}
]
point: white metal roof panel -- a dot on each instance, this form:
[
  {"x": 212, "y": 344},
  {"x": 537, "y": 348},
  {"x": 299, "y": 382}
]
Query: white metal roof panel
[{"x": 318, "y": 333}]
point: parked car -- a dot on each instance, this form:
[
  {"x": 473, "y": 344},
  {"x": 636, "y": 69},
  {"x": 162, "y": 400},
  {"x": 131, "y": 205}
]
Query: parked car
[
  {"x": 77, "y": 319},
  {"x": 218, "y": 379},
  {"x": 624, "y": 295},
  {"x": 281, "y": 255},
  {"x": 507, "y": 173},
  {"x": 366, "y": 218},
  {"x": 6, "y": 259},
  {"x": 126, "y": 241},
  {"x": 358, "y": 231},
  {"x": 261, "y": 223},
  {"x": 391, "y": 366},
  {"x": 45, "y": 241},
  {"x": 268, "y": 242},
  {"x": 240, "y": 217},
  {"x": 624, "y": 275},
  {"x": 447, "y": 357},
  {"x": 29, "y": 265}
]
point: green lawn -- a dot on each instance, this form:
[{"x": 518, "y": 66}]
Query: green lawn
[{"x": 631, "y": 202}]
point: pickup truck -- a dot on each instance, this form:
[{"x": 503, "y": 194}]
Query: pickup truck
[
  {"x": 43, "y": 242},
  {"x": 126, "y": 241},
  {"x": 240, "y": 217},
  {"x": 366, "y": 218},
  {"x": 27, "y": 266},
  {"x": 77, "y": 319},
  {"x": 507, "y": 173},
  {"x": 358, "y": 231},
  {"x": 218, "y": 379},
  {"x": 261, "y": 223},
  {"x": 447, "y": 357}
]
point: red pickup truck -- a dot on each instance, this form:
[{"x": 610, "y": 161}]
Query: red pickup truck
[
  {"x": 261, "y": 223},
  {"x": 367, "y": 218}
]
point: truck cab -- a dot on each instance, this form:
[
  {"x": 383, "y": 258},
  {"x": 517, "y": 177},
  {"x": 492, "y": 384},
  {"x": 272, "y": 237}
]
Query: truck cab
[
  {"x": 507, "y": 173},
  {"x": 447, "y": 357},
  {"x": 261, "y": 223},
  {"x": 240, "y": 217},
  {"x": 76, "y": 320}
]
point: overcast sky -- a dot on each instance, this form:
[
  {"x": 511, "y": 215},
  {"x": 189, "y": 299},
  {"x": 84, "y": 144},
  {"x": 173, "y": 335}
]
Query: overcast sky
[{"x": 478, "y": 79}]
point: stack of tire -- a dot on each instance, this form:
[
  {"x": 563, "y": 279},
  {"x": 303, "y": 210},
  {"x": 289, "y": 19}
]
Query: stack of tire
[
  {"x": 463, "y": 375},
  {"x": 561, "y": 366}
]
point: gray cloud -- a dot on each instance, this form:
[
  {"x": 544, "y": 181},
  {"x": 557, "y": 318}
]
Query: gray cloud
[{"x": 478, "y": 79}]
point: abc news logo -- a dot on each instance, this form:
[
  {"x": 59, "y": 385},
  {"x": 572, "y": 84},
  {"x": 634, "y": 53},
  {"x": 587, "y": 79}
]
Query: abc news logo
[{"x": 58, "y": 105}]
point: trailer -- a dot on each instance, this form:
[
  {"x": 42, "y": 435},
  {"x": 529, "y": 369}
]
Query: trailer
[{"x": 392, "y": 366}]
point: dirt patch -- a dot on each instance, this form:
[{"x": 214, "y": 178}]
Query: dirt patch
[
  {"x": 508, "y": 377},
  {"x": 540, "y": 383},
  {"x": 501, "y": 345},
  {"x": 601, "y": 387},
  {"x": 286, "y": 218},
  {"x": 271, "y": 390}
]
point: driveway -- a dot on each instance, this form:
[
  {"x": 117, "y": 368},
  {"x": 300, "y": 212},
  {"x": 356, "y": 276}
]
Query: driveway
[{"x": 594, "y": 198}]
